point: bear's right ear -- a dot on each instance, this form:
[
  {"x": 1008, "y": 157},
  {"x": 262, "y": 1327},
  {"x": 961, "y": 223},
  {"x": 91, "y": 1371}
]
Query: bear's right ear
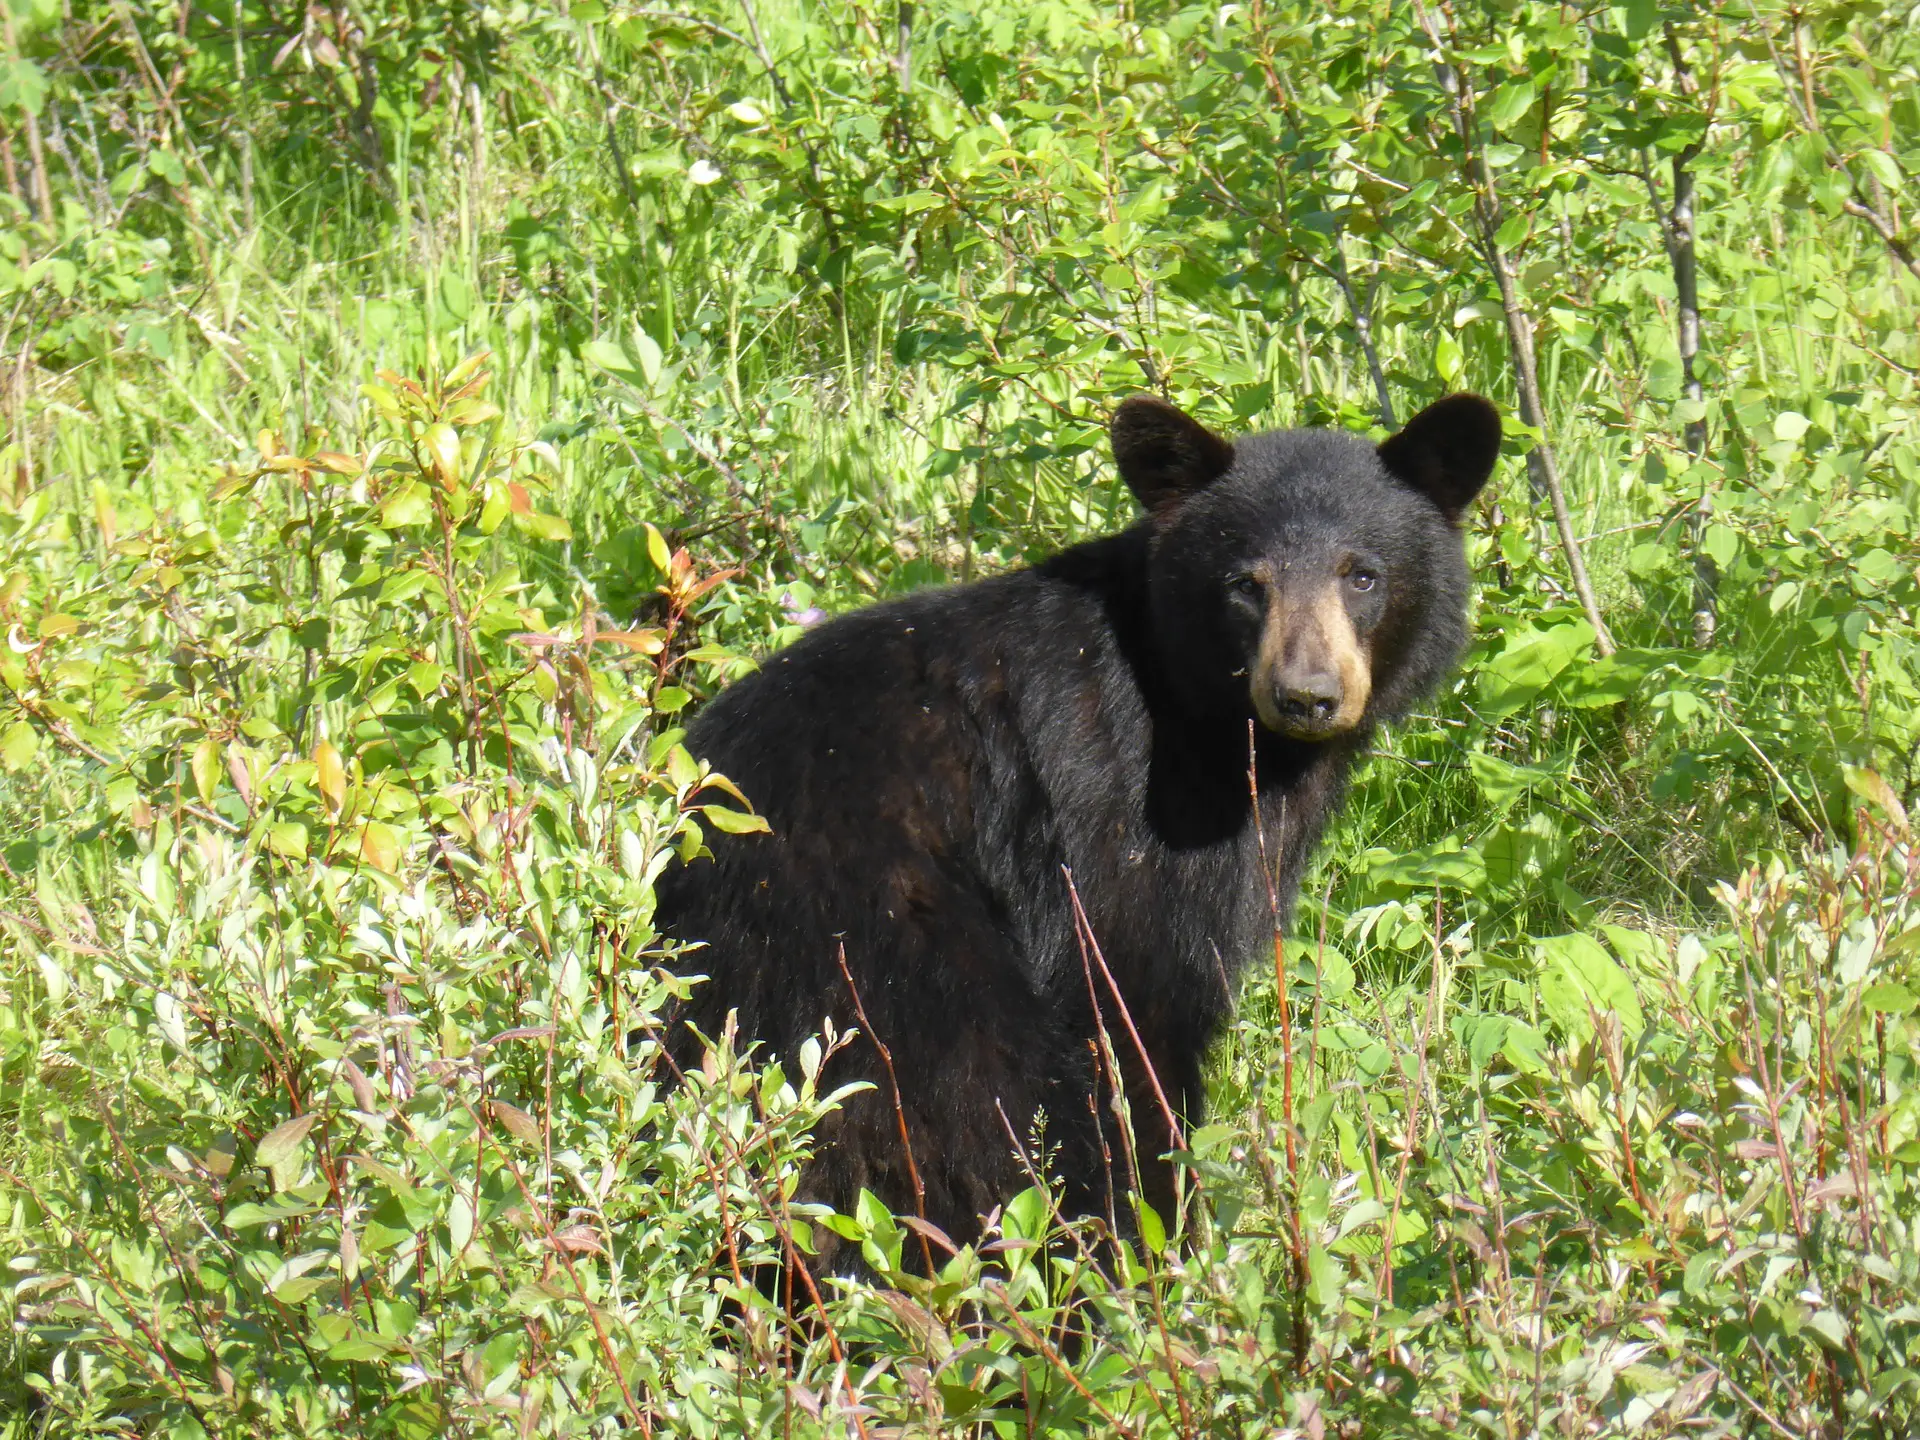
[{"x": 1164, "y": 453}]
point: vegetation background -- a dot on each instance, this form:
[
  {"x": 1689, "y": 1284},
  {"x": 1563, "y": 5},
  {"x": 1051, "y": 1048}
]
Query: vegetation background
[{"x": 412, "y": 408}]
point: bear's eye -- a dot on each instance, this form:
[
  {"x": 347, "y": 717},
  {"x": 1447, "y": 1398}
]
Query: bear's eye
[
  {"x": 1362, "y": 580},
  {"x": 1247, "y": 586}
]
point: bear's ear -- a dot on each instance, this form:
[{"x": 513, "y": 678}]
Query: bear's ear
[
  {"x": 1446, "y": 452},
  {"x": 1164, "y": 453}
]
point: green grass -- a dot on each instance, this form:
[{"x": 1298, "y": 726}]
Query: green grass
[{"x": 328, "y": 834}]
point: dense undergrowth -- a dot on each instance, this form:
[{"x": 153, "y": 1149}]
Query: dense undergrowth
[{"x": 412, "y": 410}]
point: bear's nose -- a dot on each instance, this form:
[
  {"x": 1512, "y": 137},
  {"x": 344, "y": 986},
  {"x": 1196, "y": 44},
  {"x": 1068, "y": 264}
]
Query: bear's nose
[{"x": 1310, "y": 701}]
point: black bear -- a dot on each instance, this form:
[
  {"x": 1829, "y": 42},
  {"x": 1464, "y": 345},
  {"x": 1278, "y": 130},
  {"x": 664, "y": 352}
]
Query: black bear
[{"x": 935, "y": 768}]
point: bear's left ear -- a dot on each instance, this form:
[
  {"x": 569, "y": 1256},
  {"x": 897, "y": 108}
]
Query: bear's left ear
[
  {"x": 1446, "y": 452},
  {"x": 1164, "y": 453}
]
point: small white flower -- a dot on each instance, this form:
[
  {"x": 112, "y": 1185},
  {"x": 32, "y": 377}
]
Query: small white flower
[{"x": 703, "y": 172}]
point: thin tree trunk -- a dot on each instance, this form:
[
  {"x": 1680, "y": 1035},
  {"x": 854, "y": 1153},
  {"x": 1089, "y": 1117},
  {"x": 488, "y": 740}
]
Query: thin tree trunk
[
  {"x": 903, "y": 60},
  {"x": 11, "y": 170},
  {"x": 1677, "y": 230},
  {"x": 477, "y": 110},
  {"x": 30, "y": 123},
  {"x": 1681, "y": 250},
  {"x": 247, "y": 209},
  {"x": 1363, "y": 328},
  {"x": 1543, "y": 470}
]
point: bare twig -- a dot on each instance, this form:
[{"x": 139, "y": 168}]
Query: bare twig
[{"x": 899, "y": 1108}]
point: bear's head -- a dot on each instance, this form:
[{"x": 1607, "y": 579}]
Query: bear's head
[{"x": 1308, "y": 577}]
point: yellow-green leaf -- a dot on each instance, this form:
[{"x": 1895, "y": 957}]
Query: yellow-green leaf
[
  {"x": 682, "y": 768},
  {"x": 442, "y": 444},
  {"x": 288, "y": 840},
  {"x": 329, "y": 773},
  {"x": 381, "y": 847},
  {"x": 1872, "y": 787},
  {"x": 473, "y": 412},
  {"x": 657, "y": 550},
  {"x": 205, "y": 764},
  {"x": 408, "y": 505},
  {"x": 20, "y": 745},
  {"x": 649, "y": 355},
  {"x": 494, "y": 509},
  {"x": 466, "y": 369},
  {"x": 735, "y": 822},
  {"x": 384, "y": 400},
  {"x": 546, "y": 527}
]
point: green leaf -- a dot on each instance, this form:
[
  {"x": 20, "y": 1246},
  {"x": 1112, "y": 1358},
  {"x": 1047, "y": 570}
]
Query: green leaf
[
  {"x": 283, "y": 1141},
  {"x": 410, "y": 504},
  {"x": 1525, "y": 1048},
  {"x": 460, "y": 1220},
  {"x": 544, "y": 526},
  {"x": 1722, "y": 543},
  {"x": 1486, "y": 1038},
  {"x": 609, "y": 356},
  {"x": 1790, "y": 425},
  {"x": 1320, "y": 967},
  {"x": 281, "y": 1207},
  {"x": 1527, "y": 663},
  {"x": 734, "y": 822},
  {"x": 442, "y": 444},
  {"x": 1872, "y": 787},
  {"x": 1578, "y": 978},
  {"x": 1153, "y": 1233},
  {"x": 19, "y": 746},
  {"x": 1326, "y": 1276},
  {"x": 1829, "y": 1326},
  {"x": 657, "y": 550},
  {"x": 494, "y": 510},
  {"x": 288, "y": 840},
  {"x": 1511, "y": 102},
  {"x": 291, "y": 1284},
  {"x": 1883, "y": 167},
  {"x": 650, "y": 356},
  {"x": 382, "y": 847},
  {"x": 1889, "y": 999},
  {"x": 1701, "y": 1266},
  {"x": 205, "y": 764}
]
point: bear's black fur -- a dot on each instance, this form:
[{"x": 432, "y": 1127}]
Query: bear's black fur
[{"x": 935, "y": 766}]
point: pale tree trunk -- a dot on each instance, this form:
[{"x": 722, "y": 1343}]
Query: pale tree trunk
[
  {"x": 1543, "y": 470},
  {"x": 1677, "y": 231},
  {"x": 1361, "y": 309},
  {"x": 30, "y": 124}
]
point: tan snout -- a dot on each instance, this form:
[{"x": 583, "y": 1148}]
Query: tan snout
[{"x": 1313, "y": 675}]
